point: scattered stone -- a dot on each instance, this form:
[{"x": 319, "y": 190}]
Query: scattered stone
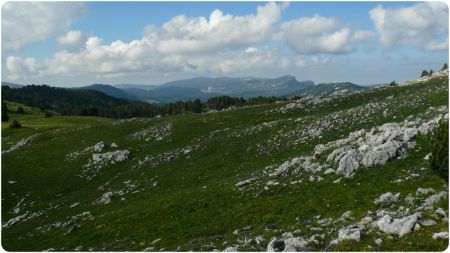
[
  {"x": 399, "y": 227},
  {"x": 409, "y": 200},
  {"x": 421, "y": 191},
  {"x": 74, "y": 205},
  {"x": 155, "y": 241},
  {"x": 347, "y": 165},
  {"x": 440, "y": 235},
  {"x": 287, "y": 244},
  {"x": 387, "y": 199},
  {"x": 441, "y": 212},
  {"x": 259, "y": 239},
  {"x": 245, "y": 182},
  {"x": 349, "y": 233},
  {"x": 433, "y": 199},
  {"x": 328, "y": 171},
  {"x": 427, "y": 223},
  {"x": 22, "y": 143},
  {"x": 231, "y": 249}
]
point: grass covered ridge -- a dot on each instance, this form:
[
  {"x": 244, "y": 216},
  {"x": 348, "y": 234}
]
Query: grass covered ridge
[{"x": 190, "y": 201}]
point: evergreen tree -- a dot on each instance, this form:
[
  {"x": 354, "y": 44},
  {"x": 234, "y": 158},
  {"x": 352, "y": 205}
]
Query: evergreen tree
[
  {"x": 439, "y": 150},
  {"x": 5, "y": 116},
  {"x": 393, "y": 83},
  {"x": 430, "y": 73},
  {"x": 20, "y": 110},
  {"x": 424, "y": 73},
  {"x": 445, "y": 66},
  {"x": 48, "y": 114},
  {"x": 15, "y": 124}
]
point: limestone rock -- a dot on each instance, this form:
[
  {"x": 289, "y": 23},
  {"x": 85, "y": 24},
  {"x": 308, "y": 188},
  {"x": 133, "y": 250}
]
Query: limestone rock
[
  {"x": 347, "y": 165},
  {"x": 399, "y": 227},
  {"x": 387, "y": 199},
  {"x": 440, "y": 235}
]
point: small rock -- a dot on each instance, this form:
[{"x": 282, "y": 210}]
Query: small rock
[
  {"x": 328, "y": 171},
  {"x": 398, "y": 226},
  {"x": 427, "y": 223},
  {"x": 440, "y": 235},
  {"x": 441, "y": 212},
  {"x": 422, "y": 191},
  {"x": 387, "y": 199},
  {"x": 349, "y": 233}
]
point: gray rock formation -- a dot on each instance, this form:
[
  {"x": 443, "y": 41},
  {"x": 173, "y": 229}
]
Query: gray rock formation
[{"x": 399, "y": 227}]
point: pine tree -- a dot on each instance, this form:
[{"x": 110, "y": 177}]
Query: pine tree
[
  {"x": 424, "y": 73},
  {"x": 15, "y": 124},
  {"x": 439, "y": 150},
  {"x": 5, "y": 116},
  {"x": 430, "y": 73},
  {"x": 445, "y": 66}
]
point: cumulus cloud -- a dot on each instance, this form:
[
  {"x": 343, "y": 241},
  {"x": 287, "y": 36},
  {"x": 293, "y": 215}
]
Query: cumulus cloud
[
  {"x": 413, "y": 25},
  {"x": 72, "y": 41},
  {"x": 139, "y": 57},
  {"x": 26, "y": 22},
  {"x": 219, "y": 44},
  {"x": 250, "y": 50},
  {"x": 202, "y": 35},
  {"x": 438, "y": 46},
  {"x": 21, "y": 67},
  {"x": 319, "y": 35}
]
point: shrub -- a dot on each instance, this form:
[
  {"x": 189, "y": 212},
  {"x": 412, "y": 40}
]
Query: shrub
[
  {"x": 393, "y": 83},
  {"x": 5, "y": 117},
  {"x": 445, "y": 66},
  {"x": 430, "y": 73},
  {"x": 48, "y": 114},
  {"x": 20, "y": 110},
  {"x": 424, "y": 73},
  {"x": 15, "y": 124},
  {"x": 439, "y": 150}
]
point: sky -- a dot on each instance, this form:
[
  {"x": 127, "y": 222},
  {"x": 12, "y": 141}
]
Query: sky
[{"x": 71, "y": 44}]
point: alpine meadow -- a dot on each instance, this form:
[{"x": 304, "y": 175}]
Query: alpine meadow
[{"x": 224, "y": 126}]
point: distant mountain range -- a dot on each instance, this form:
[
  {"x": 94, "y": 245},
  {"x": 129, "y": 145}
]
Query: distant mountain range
[
  {"x": 12, "y": 85},
  {"x": 326, "y": 89},
  {"x": 205, "y": 87},
  {"x": 111, "y": 91}
]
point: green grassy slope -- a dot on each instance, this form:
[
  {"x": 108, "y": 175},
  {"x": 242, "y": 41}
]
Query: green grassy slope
[{"x": 190, "y": 202}]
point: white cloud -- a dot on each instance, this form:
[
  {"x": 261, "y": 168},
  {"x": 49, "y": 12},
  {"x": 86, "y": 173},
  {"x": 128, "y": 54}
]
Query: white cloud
[
  {"x": 220, "y": 31},
  {"x": 362, "y": 35},
  {"x": 319, "y": 35},
  {"x": 26, "y": 22},
  {"x": 72, "y": 41},
  {"x": 21, "y": 67},
  {"x": 250, "y": 50},
  {"x": 139, "y": 57},
  {"x": 438, "y": 46},
  {"x": 413, "y": 25}
]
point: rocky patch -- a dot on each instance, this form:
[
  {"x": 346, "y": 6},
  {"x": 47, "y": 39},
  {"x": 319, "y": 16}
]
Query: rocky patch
[{"x": 21, "y": 144}]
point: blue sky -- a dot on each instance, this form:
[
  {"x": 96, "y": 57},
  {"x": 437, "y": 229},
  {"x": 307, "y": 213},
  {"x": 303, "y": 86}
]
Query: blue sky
[{"x": 319, "y": 41}]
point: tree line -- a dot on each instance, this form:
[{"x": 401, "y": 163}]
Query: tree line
[{"x": 77, "y": 102}]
